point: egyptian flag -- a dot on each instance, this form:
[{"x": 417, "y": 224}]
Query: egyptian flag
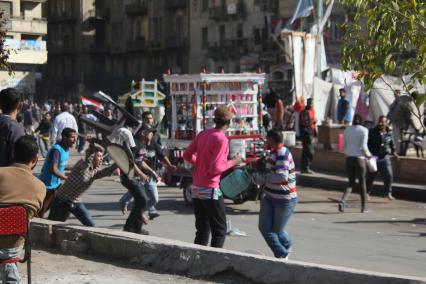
[{"x": 93, "y": 103}]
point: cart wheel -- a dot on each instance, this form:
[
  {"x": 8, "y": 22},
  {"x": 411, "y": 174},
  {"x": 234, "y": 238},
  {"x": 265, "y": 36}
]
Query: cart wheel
[{"x": 187, "y": 194}]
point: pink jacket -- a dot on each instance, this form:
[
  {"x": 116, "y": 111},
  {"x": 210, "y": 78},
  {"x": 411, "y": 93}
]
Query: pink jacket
[{"x": 209, "y": 153}]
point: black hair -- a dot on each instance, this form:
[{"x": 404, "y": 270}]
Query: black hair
[
  {"x": 9, "y": 100},
  {"x": 220, "y": 122},
  {"x": 382, "y": 116},
  {"x": 65, "y": 107},
  {"x": 67, "y": 132},
  {"x": 25, "y": 149},
  {"x": 275, "y": 136},
  {"x": 359, "y": 118},
  {"x": 145, "y": 114}
]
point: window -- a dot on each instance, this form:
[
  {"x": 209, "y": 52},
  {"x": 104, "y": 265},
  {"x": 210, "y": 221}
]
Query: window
[
  {"x": 204, "y": 38},
  {"x": 257, "y": 38},
  {"x": 222, "y": 35},
  {"x": 7, "y": 8},
  {"x": 205, "y": 6},
  {"x": 240, "y": 31}
]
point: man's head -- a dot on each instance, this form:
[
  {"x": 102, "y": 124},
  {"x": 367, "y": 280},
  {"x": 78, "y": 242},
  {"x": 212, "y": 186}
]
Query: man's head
[
  {"x": 48, "y": 116},
  {"x": 65, "y": 107},
  {"x": 10, "y": 100},
  {"x": 357, "y": 120},
  {"x": 310, "y": 103},
  {"x": 222, "y": 117},
  {"x": 397, "y": 93},
  {"x": 69, "y": 137},
  {"x": 342, "y": 92},
  {"x": 274, "y": 138},
  {"x": 383, "y": 122},
  {"x": 25, "y": 151},
  {"x": 147, "y": 117},
  {"x": 145, "y": 132},
  {"x": 98, "y": 155}
]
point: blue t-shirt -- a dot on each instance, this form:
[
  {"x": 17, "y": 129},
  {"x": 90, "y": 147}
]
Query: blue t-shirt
[
  {"x": 343, "y": 104},
  {"x": 50, "y": 180}
]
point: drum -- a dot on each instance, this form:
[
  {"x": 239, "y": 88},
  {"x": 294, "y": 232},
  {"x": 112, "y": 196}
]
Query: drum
[{"x": 235, "y": 183}]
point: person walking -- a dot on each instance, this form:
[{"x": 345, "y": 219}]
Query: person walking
[
  {"x": 63, "y": 120},
  {"x": 84, "y": 173},
  {"x": 44, "y": 128},
  {"x": 53, "y": 170},
  {"x": 344, "y": 109},
  {"x": 19, "y": 186},
  {"x": 380, "y": 144},
  {"x": 356, "y": 151},
  {"x": 280, "y": 199},
  {"x": 10, "y": 129},
  {"x": 307, "y": 133},
  {"x": 208, "y": 152}
]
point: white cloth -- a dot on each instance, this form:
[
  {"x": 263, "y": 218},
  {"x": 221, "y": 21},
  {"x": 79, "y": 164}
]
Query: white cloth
[
  {"x": 355, "y": 141},
  {"x": 121, "y": 135},
  {"x": 62, "y": 121},
  {"x": 322, "y": 90}
]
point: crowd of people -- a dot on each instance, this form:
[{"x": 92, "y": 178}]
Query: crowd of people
[{"x": 27, "y": 129}]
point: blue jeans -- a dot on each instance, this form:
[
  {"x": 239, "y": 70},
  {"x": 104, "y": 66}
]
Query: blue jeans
[
  {"x": 384, "y": 167},
  {"x": 273, "y": 218},
  {"x": 9, "y": 273},
  {"x": 60, "y": 211},
  {"x": 151, "y": 192}
]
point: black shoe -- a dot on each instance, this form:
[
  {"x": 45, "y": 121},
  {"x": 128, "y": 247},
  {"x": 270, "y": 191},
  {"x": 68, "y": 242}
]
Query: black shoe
[
  {"x": 342, "y": 207},
  {"x": 154, "y": 215}
]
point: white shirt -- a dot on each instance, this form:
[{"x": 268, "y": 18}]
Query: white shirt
[
  {"x": 121, "y": 135},
  {"x": 355, "y": 139},
  {"x": 62, "y": 121}
]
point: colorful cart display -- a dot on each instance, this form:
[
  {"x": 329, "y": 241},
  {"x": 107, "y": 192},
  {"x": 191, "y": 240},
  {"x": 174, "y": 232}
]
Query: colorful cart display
[
  {"x": 194, "y": 99},
  {"x": 145, "y": 95}
]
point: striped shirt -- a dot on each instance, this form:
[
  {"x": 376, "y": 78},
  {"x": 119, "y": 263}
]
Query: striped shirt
[
  {"x": 281, "y": 179},
  {"x": 80, "y": 179}
]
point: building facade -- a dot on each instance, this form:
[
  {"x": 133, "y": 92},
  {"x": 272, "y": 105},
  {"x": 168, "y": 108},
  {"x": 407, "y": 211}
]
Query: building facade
[
  {"x": 105, "y": 44},
  {"x": 26, "y": 28}
]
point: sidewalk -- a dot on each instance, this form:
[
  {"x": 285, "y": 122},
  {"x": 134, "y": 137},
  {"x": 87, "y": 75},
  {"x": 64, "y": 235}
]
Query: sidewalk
[{"x": 339, "y": 181}]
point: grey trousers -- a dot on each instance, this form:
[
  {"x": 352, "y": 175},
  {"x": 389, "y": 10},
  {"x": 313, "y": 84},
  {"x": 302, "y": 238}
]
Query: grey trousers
[
  {"x": 9, "y": 273},
  {"x": 356, "y": 168}
]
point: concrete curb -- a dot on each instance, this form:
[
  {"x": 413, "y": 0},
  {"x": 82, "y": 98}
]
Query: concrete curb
[
  {"x": 197, "y": 261},
  {"x": 339, "y": 183}
]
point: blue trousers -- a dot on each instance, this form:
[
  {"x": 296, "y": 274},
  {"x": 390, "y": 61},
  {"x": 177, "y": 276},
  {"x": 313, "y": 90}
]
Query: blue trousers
[
  {"x": 61, "y": 210},
  {"x": 273, "y": 219}
]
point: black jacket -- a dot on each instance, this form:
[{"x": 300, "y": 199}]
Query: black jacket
[
  {"x": 10, "y": 131},
  {"x": 380, "y": 144}
]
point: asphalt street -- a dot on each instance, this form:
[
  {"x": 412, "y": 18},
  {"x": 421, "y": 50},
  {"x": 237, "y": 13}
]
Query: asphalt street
[{"x": 391, "y": 238}]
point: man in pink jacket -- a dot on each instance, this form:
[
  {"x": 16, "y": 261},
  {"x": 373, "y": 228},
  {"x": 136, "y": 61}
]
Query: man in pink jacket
[{"x": 208, "y": 153}]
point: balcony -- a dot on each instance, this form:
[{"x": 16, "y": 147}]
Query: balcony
[
  {"x": 175, "y": 4},
  {"x": 176, "y": 42},
  {"x": 233, "y": 48},
  {"x": 27, "y": 51},
  {"x": 137, "y": 8},
  {"x": 230, "y": 12},
  {"x": 99, "y": 15},
  {"x": 154, "y": 45},
  {"x": 27, "y": 26},
  {"x": 138, "y": 44},
  {"x": 64, "y": 16}
]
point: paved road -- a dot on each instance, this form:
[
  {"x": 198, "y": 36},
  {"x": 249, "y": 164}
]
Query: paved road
[{"x": 391, "y": 238}]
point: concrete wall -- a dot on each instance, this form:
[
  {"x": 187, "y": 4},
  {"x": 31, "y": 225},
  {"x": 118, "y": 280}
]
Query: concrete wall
[
  {"x": 410, "y": 169},
  {"x": 197, "y": 261}
]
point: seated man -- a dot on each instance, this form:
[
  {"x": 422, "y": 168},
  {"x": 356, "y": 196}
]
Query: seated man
[
  {"x": 84, "y": 173},
  {"x": 19, "y": 186}
]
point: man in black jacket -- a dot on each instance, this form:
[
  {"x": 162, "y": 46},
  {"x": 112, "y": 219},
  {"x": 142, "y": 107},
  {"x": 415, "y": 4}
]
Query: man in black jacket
[
  {"x": 380, "y": 144},
  {"x": 10, "y": 129}
]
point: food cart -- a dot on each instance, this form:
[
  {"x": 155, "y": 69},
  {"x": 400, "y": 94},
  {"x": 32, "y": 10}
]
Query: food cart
[{"x": 194, "y": 99}]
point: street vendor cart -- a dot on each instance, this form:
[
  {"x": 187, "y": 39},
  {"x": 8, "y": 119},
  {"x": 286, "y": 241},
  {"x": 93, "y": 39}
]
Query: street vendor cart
[{"x": 194, "y": 99}]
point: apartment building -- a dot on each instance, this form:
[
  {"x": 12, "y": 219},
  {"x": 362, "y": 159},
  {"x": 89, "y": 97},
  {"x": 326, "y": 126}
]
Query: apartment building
[
  {"x": 26, "y": 31},
  {"x": 104, "y": 44}
]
